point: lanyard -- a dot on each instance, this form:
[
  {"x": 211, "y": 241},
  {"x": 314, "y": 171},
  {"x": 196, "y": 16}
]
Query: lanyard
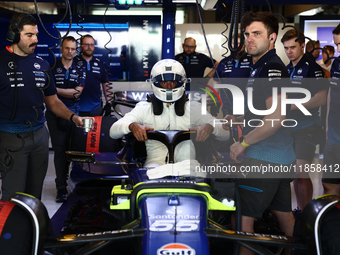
[{"x": 291, "y": 75}]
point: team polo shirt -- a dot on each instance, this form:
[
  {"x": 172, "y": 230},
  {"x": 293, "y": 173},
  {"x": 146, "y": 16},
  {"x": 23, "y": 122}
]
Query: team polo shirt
[
  {"x": 267, "y": 73},
  {"x": 195, "y": 64},
  {"x": 90, "y": 98},
  {"x": 308, "y": 75},
  {"x": 231, "y": 71},
  {"x": 333, "y": 133},
  {"x": 31, "y": 88},
  {"x": 69, "y": 79}
]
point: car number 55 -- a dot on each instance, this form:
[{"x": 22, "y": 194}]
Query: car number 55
[{"x": 167, "y": 225}]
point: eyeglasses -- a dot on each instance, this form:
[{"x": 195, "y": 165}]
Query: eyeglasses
[
  {"x": 88, "y": 44},
  {"x": 190, "y": 47}
]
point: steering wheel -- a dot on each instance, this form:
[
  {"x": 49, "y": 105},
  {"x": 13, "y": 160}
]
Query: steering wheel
[{"x": 171, "y": 138}]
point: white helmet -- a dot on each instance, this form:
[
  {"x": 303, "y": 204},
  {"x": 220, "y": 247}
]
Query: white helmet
[{"x": 168, "y": 70}]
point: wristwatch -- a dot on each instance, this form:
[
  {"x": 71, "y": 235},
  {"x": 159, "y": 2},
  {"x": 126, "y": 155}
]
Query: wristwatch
[{"x": 242, "y": 141}]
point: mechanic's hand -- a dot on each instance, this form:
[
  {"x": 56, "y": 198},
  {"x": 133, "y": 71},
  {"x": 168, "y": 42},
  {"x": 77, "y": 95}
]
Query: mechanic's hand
[
  {"x": 235, "y": 150},
  {"x": 229, "y": 118},
  {"x": 79, "y": 120},
  {"x": 139, "y": 131},
  {"x": 203, "y": 132}
]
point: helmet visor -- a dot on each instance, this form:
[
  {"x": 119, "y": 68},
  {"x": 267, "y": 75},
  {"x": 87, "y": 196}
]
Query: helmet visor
[{"x": 168, "y": 77}]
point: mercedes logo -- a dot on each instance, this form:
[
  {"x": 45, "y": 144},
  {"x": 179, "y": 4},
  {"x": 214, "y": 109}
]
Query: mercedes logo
[
  {"x": 11, "y": 65},
  {"x": 37, "y": 66}
]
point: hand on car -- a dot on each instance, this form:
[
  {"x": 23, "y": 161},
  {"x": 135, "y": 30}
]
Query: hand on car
[
  {"x": 235, "y": 150},
  {"x": 226, "y": 126},
  {"x": 139, "y": 131},
  {"x": 203, "y": 132}
]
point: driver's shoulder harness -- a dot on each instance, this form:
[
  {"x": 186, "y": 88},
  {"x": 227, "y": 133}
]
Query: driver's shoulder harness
[{"x": 158, "y": 105}]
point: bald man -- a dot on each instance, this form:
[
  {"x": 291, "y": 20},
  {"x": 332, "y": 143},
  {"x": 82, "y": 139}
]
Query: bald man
[{"x": 193, "y": 62}]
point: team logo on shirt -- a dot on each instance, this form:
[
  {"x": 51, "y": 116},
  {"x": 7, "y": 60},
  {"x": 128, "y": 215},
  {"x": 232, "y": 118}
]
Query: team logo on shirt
[
  {"x": 299, "y": 71},
  {"x": 80, "y": 63},
  {"x": 11, "y": 65},
  {"x": 95, "y": 64},
  {"x": 59, "y": 70},
  {"x": 37, "y": 66}
]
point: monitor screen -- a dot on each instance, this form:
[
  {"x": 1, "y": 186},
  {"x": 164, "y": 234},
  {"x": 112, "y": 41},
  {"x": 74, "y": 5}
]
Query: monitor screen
[{"x": 320, "y": 28}]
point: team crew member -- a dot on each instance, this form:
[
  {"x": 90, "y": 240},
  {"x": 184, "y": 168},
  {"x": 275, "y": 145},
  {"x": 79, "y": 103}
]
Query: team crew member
[
  {"x": 312, "y": 53},
  {"x": 322, "y": 62},
  {"x": 167, "y": 108},
  {"x": 70, "y": 80},
  {"x": 193, "y": 62},
  {"x": 330, "y": 184},
  {"x": 304, "y": 73},
  {"x": 23, "y": 135},
  {"x": 236, "y": 66},
  {"x": 267, "y": 144},
  {"x": 90, "y": 100}
]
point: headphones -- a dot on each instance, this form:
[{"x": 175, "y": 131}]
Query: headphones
[{"x": 13, "y": 34}]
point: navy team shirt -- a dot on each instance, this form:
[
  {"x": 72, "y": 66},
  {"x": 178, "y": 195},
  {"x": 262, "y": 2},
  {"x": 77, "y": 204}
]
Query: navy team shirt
[
  {"x": 306, "y": 74},
  {"x": 90, "y": 98},
  {"x": 333, "y": 133},
  {"x": 231, "y": 72},
  {"x": 267, "y": 73},
  {"x": 30, "y": 79},
  {"x": 66, "y": 79},
  {"x": 195, "y": 64}
]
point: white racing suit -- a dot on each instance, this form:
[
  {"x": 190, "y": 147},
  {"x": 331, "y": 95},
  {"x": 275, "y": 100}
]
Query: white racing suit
[{"x": 168, "y": 120}]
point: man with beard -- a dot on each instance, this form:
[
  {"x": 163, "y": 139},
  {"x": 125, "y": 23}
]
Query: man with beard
[
  {"x": 25, "y": 86},
  {"x": 232, "y": 70},
  {"x": 90, "y": 100},
  {"x": 193, "y": 62},
  {"x": 312, "y": 53},
  {"x": 264, "y": 143}
]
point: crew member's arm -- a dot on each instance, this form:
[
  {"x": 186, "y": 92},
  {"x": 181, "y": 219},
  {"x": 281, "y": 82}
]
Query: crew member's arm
[
  {"x": 318, "y": 86},
  {"x": 70, "y": 93},
  {"x": 212, "y": 72},
  {"x": 317, "y": 100},
  {"x": 261, "y": 132},
  {"x": 59, "y": 109}
]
